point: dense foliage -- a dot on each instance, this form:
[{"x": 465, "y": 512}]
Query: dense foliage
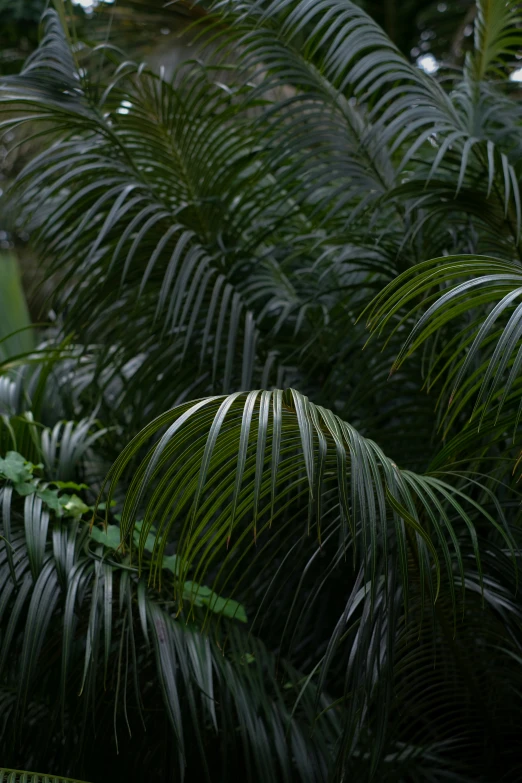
[{"x": 201, "y": 580}]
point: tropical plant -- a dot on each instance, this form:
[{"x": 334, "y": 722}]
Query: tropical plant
[
  {"x": 17, "y": 776},
  {"x": 264, "y": 589}
]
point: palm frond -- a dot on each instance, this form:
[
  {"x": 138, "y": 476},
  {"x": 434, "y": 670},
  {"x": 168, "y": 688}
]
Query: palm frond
[
  {"x": 17, "y": 776},
  {"x": 488, "y": 346},
  {"x": 15, "y": 326},
  {"x": 75, "y": 613},
  {"x": 281, "y": 598},
  {"x": 232, "y": 473},
  {"x": 154, "y": 221},
  {"x": 497, "y": 35}
]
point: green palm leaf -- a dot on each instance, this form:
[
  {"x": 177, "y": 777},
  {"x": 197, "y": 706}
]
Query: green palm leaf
[
  {"x": 226, "y": 468},
  {"x": 150, "y": 217},
  {"x": 497, "y": 34},
  {"x": 15, "y": 334},
  {"x": 281, "y": 598},
  {"x": 17, "y": 776},
  {"x": 202, "y": 682},
  {"x": 488, "y": 348}
]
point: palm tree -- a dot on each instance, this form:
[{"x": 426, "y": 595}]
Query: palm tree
[{"x": 256, "y": 582}]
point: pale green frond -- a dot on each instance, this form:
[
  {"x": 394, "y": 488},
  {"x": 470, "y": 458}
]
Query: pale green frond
[
  {"x": 19, "y": 776},
  {"x": 497, "y": 35},
  {"x": 454, "y": 288}
]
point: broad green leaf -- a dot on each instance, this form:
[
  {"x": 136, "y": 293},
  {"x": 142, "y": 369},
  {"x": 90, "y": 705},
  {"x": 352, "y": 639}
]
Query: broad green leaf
[
  {"x": 69, "y": 485},
  {"x": 52, "y": 499},
  {"x": 109, "y": 538},
  {"x": 171, "y": 563},
  {"x": 26, "y": 488},
  {"x": 150, "y": 539},
  {"x": 15, "y": 468},
  {"x": 200, "y": 595},
  {"x": 73, "y": 505},
  {"x": 98, "y": 506}
]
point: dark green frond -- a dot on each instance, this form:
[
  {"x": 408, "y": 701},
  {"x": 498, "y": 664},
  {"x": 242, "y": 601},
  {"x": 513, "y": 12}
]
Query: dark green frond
[
  {"x": 17, "y": 776},
  {"x": 261, "y": 592},
  {"x": 484, "y": 360}
]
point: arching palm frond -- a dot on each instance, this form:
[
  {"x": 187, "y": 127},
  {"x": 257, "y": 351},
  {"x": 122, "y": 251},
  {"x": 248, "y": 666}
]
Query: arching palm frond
[
  {"x": 256, "y": 447},
  {"x": 281, "y": 598},
  {"x": 497, "y": 35},
  {"x": 155, "y": 221},
  {"x": 395, "y": 111},
  {"x": 241, "y": 484},
  {"x": 74, "y": 613},
  {"x": 481, "y": 363},
  {"x": 16, "y": 776},
  {"x": 170, "y": 194}
]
